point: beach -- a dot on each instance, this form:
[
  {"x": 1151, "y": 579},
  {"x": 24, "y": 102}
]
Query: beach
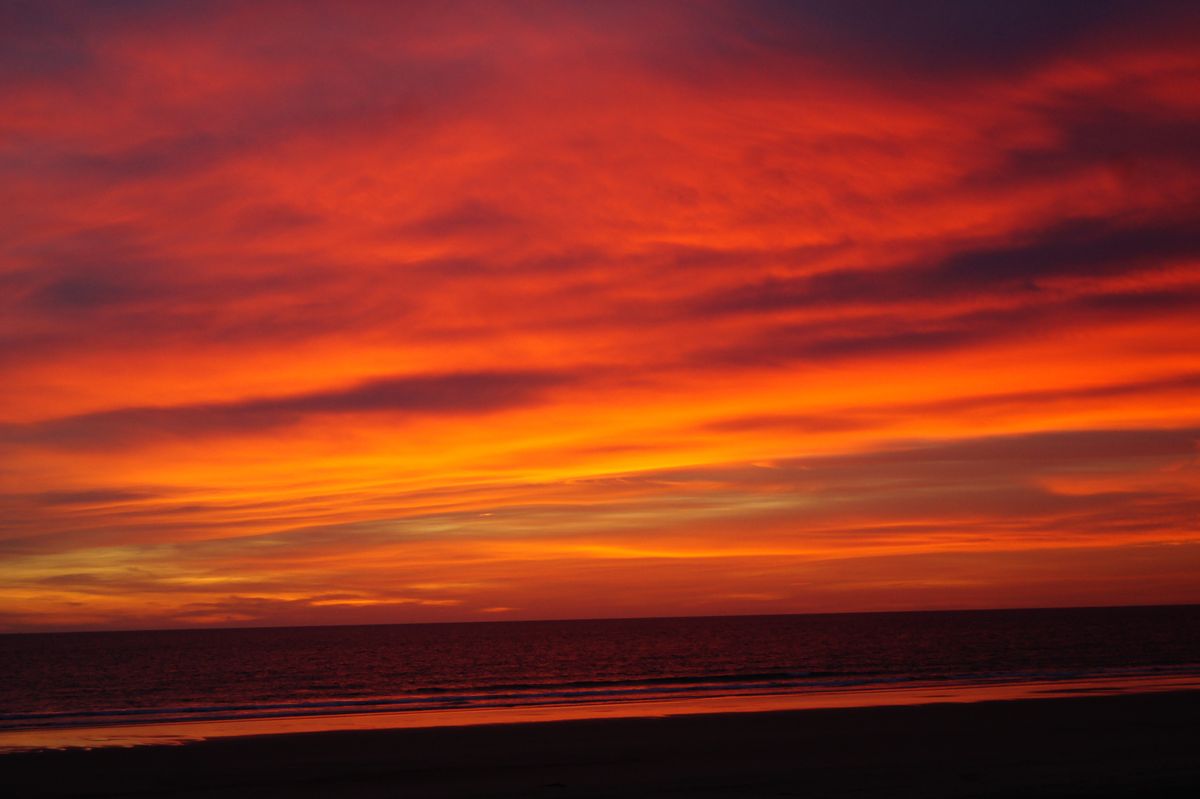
[
  {"x": 1142, "y": 744},
  {"x": 588, "y": 399}
]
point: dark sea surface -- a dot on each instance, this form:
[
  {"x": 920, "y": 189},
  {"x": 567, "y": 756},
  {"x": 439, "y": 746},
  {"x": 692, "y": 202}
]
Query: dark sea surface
[{"x": 77, "y": 679}]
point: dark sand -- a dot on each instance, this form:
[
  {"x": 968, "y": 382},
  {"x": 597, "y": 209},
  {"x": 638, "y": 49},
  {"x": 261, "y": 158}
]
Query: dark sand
[{"x": 1138, "y": 745}]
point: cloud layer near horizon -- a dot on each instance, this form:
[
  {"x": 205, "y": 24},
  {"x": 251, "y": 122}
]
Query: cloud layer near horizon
[{"x": 337, "y": 312}]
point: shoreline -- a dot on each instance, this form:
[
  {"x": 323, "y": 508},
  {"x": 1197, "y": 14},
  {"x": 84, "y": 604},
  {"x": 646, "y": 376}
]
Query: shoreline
[
  {"x": 183, "y": 732},
  {"x": 1113, "y": 745},
  {"x": 187, "y": 732}
]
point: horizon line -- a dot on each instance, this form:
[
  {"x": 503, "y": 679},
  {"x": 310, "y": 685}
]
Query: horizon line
[{"x": 601, "y": 618}]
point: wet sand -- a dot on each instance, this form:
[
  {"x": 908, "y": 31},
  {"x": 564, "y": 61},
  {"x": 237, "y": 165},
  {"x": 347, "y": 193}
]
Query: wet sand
[{"x": 1099, "y": 746}]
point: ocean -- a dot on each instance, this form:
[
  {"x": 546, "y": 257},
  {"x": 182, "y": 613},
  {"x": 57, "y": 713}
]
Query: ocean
[{"x": 62, "y": 680}]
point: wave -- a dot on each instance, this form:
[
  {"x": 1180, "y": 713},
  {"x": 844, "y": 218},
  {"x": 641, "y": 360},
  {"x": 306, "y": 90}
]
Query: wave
[{"x": 533, "y": 694}]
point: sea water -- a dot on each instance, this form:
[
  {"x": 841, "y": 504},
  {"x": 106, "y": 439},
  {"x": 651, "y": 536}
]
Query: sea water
[{"x": 64, "y": 680}]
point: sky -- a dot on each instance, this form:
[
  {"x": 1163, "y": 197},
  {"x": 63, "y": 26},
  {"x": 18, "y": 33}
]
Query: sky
[{"x": 350, "y": 312}]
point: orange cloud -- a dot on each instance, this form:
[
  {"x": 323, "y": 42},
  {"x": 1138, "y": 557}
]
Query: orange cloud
[{"x": 355, "y": 312}]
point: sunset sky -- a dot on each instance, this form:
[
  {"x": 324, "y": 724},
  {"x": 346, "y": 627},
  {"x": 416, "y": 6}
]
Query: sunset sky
[{"x": 349, "y": 312}]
